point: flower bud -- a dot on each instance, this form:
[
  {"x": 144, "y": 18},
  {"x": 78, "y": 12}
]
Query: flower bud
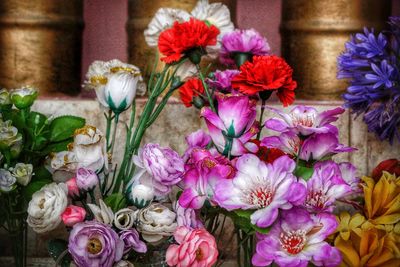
[
  {"x": 23, "y": 97},
  {"x": 5, "y": 101},
  {"x": 23, "y": 173},
  {"x": 72, "y": 215},
  {"x": 86, "y": 179},
  {"x": 123, "y": 219},
  {"x": 141, "y": 195},
  {"x": 73, "y": 189},
  {"x": 7, "y": 181}
]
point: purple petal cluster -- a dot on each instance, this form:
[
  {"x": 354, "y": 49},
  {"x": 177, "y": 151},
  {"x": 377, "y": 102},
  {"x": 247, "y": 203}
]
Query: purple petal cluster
[
  {"x": 222, "y": 80},
  {"x": 242, "y": 41},
  {"x": 94, "y": 244},
  {"x": 132, "y": 241},
  {"x": 296, "y": 239},
  {"x": 370, "y": 63}
]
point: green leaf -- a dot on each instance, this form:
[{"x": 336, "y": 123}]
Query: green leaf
[
  {"x": 41, "y": 173},
  {"x": 63, "y": 127},
  {"x": 56, "y": 147},
  {"x": 56, "y": 248},
  {"x": 242, "y": 219},
  {"x": 32, "y": 187},
  {"x": 304, "y": 172},
  {"x": 115, "y": 201}
]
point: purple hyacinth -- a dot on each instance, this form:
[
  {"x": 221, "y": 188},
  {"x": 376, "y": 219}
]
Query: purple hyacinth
[
  {"x": 296, "y": 239},
  {"x": 370, "y": 63},
  {"x": 242, "y": 41}
]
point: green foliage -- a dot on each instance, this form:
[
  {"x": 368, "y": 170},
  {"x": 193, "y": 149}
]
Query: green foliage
[
  {"x": 63, "y": 128},
  {"x": 241, "y": 218},
  {"x": 32, "y": 187},
  {"x": 115, "y": 201},
  {"x": 56, "y": 248},
  {"x": 304, "y": 172}
]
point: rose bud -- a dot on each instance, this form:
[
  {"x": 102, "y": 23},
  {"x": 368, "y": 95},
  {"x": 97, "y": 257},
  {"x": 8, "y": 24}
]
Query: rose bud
[
  {"x": 72, "y": 215},
  {"x": 86, "y": 179},
  {"x": 73, "y": 189},
  {"x": 23, "y": 97},
  {"x": 391, "y": 166},
  {"x": 141, "y": 195}
]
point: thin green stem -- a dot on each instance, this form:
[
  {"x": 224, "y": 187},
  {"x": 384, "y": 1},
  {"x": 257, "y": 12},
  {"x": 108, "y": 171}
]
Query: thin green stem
[
  {"x": 209, "y": 96},
  {"x": 108, "y": 127},
  {"x": 263, "y": 101},
  {"x": 116, "y": 120}
]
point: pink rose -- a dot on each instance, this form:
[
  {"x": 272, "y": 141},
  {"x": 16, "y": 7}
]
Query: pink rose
[
  {"x": 195, "y": 248},
  {"x": 73, "y": 189},
  {"x": 86, "y": 179},
  {"x": 72, "y": 215}
]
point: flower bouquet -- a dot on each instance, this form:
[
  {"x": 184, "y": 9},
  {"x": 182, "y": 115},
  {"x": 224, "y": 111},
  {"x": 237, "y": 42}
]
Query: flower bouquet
[
  {"x": 272, "y": 196},
  {"x": 26, "y": 138}
]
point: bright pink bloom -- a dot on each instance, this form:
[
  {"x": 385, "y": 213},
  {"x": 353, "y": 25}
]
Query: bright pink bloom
[
  {"x": 235, "y": 120},
  {"x": 195, "y": 248},
  {"x": 73, "y": 189},
  {"x": 72, "y": 215}
]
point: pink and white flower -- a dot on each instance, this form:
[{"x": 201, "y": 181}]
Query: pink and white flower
[
  {"x": 73, "y": 215},
  {"x": 197, "y": 139},
  {"x": 187, "y": 217},
  {"x": 202, "y": 172},
  {"x": 305, "y": 120},
  {"x": 195, "y": 248},
  {"x": 296, "y": 239},
  {"x": 266, "y": 188},
  {"x": 325, "y": 186},
  {"x": 233, "y": 125}
]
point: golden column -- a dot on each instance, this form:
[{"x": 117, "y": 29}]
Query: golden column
[
  {"x": 313, "y": 35},
  {"x": 40, "y": 44},
  {"x": 140, "y": 14}
]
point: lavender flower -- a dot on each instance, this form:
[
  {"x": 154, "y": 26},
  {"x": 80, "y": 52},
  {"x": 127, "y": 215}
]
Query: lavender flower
[
  {"x": 370, "y": 63},
  {"x": 132, "y": 241},
  {"x": 94, "y": 244},
  {"x": 222, "y": 80},
  {"x": 296, "y": 239},
  {"x": 242, "y": 41}
]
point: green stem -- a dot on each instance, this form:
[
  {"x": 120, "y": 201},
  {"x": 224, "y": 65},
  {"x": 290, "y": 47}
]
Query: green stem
[
  {"x": 108, "y": 127},
  {"x": 263, "y": 101},
  {"x": 116, "y": 120},
  {"x": 209, "y": 96}
]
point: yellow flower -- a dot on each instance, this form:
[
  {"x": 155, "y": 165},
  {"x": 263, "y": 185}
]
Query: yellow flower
[
  {"x": 369, "y": 248},
  {"x": 382, "y": 199},
  {"x": 348, "y": 223}
]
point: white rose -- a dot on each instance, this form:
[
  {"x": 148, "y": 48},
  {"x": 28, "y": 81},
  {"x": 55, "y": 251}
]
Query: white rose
[
  {"x": 155, "y": 222},
  {"x": 141, "y": 195},
  {"x": 90, "y": 148},
  {"x": 46, "y": 207},
  {"x": 23, "y": 172},
  {"x": 63, "y": 161},
  {"x": 96, "y": 78},
  {"x": 123, "y": 219},
  {"x": 7, "y": 181},
  {"x": 103, "y": 214}
]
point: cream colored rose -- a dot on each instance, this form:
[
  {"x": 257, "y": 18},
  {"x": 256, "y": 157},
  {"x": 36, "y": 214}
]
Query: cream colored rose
[
  {"x": 23, "y": 173},
  {"x": 46, "y": 207},
  {"x": 155, "y": 222},
  {"x": 102, "y": 213},
  {"x": 8, "y": 134},
  {"x": 63, "y": 161},
  {"x": 89, "y": 148},
  {"x": 123, "y": 219}
]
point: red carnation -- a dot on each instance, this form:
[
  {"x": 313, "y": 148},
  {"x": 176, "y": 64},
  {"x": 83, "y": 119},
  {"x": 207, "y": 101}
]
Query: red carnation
[
  {"x": 268, "y": 155},
  {"x": 192, "y": 88},
  {"x": 184, "y": 37},
  {"x": 266, "y": 73},
  {"x": 390, "y": 165}
]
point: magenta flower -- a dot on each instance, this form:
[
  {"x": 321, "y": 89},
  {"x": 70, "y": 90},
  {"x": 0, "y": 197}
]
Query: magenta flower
[
  {"x": 322, "y": 145},
  {"x": 187, "y": 217},
  {"x": 304, "y": 120},
  {"x": 266, "y": 188},
  {"x": 325, "y": 186},
  {"x": 242, "y": 41},
  {"x": 289, "y": 142},
  {"x": 222, "y": 80},
  {"x": 296, "y": 239},
  {"x": 197, "y": 139},
  {"x": 234, "y": 125},
  {"x": 158, "y": 167},
  {"x": 86, "y": 179},
  {"x": 202, "y": 172},
  {"x": 132, "y": 241},
  {"x": 94, "y": 244}
]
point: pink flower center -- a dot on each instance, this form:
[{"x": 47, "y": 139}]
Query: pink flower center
[
  {"x": 316, "y": 199},
  {"x": 303, "y": 119},
  {"x": 293, "y": 242},
  {"x": 261, "y": 196},
  {"x": 294, "y": 145}
]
